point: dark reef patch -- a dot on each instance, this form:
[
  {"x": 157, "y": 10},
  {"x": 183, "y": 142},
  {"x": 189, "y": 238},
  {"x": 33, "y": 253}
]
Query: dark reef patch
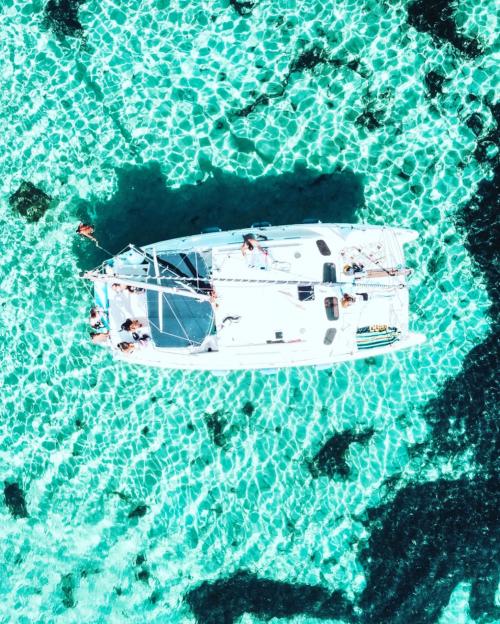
[
  {"x": 479, "y": 219},
  {"x": 331, "y": 459},
  {"x": 143, "y": 209},
  {"x": 475, "y": 123},
  {"x": 216, "y": 424},
  {"x": 30, "y": 202},
  {"x": 61, "y": 16},
  {"x": 15, "y": 501},
  {"x": 369, "y": 119},
  {"x": 487, "y": 148},
  {"x": 431, "y": 537},
  {"x": 436, "y": 18},
  {"x": 464, "y": 416},
  {"x": 434, "y": 83},
  {"x": 308, "y": 59},
  {"x": 248, "y": 409},
  {"x": 225, "y": 600},
  {"x": 243, "y": 7},
  {"x": 138, "y": 512},
  {"x": 68, "y": 591}
]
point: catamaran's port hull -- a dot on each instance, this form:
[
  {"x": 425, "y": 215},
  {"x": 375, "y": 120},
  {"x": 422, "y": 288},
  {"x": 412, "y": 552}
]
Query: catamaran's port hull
[{"x": 220, "y": 362}]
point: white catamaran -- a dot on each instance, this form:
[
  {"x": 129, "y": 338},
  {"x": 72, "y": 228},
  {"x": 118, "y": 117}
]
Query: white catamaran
[{"x": 264, "y": 298}]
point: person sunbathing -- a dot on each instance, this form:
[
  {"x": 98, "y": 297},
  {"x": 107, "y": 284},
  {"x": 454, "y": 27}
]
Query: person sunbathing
[
  {"x": 117, "y": 287},
  {"x": 131, "y": 325}
]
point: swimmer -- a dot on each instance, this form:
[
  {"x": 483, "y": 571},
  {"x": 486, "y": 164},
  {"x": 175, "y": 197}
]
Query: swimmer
[{"x": 87, "y": 230}]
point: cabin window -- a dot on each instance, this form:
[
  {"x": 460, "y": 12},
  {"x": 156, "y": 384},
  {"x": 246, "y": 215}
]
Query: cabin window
[
  {"x": 329, "y": 336},
  {"x": 332, "y": 308},
  {"x": 329, "y": 272},
  {"x": 323, "y": 248},
  {"x": 306, "y": 292}
]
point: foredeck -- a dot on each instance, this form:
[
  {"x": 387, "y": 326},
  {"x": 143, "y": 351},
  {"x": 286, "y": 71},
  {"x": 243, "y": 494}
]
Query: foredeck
[{"x": 262, "y": 306}]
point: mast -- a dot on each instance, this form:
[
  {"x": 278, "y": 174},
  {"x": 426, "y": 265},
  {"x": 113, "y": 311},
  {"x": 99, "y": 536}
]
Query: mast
[{"x": 118, "y": 279}]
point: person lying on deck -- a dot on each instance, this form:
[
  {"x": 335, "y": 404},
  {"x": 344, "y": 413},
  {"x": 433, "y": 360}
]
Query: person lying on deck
[
  {"x": 131, "y": 325},
  {"x": 126, "y": 347},
  {"x": 117, "y": 287}
]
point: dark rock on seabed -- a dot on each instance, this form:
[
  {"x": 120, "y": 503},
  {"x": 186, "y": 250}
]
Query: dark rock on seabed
[
  {"x": 61, "y": 16},
  {"x": 431, "y": 537},
  {"x": 30, "y": 202},
  {"x": 330, "y": 460},
  {"x": 243, "y": 7},
  {"x": 14, "y": 499},
  {"x": 225, "y": 600},
  {"x": 436, "y": 18},
  {"x": 216, "y": 424},
  {"x": 138, "y": 512},
  {"x": 434, "y": 83}
]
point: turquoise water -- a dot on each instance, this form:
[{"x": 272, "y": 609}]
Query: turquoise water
[{"x": 151, "y": 117}]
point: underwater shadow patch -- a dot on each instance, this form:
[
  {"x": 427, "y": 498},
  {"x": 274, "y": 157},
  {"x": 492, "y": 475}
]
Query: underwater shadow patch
[
  {"x": 331, "y": 460},
  {"x": 225, "y": 600},
  {"x": 144, "y": 210},
  {"x": 61, "y": 16},
  {"x": 436, "y": 18},
  {"x": 431, "y": 537}
]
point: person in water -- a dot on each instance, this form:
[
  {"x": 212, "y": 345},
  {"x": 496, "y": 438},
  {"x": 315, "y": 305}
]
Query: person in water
[
  {"x": 87, "y": 230},
  {"x": 131, "y": 325},
  {"x": 249, "y": 244}
]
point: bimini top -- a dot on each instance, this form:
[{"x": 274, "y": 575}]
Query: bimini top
[{"x": 178, "y": 320}]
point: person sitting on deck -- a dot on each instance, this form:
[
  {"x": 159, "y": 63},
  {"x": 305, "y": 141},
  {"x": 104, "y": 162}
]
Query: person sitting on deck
[
  {"x": 347, "y": 300},
  {"x": 96, "y": 316},
  {"x": 126, "y": 347},
  {"x": 99, "y": 337},
  {"x": 249, "y": 244},
  {"x": 353, "y": 268}
]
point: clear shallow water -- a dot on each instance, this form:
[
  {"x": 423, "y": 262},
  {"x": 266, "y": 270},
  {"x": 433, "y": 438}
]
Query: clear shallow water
[{"x": 142, "y": 485}]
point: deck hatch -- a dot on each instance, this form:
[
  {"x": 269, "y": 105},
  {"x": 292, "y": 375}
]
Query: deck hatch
[
  {"x": 332, "y": 308},
  {"x": 329, "y": 335},
  {"x": 329, "y": 273},
  {"x": 306, "y": 292},
  {"x": 324, "y": 250}
]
